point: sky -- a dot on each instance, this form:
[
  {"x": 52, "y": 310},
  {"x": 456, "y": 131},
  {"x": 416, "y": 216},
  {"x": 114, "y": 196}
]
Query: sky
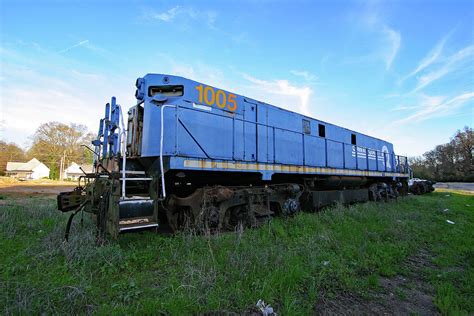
[{"x": 402, "y": 71}]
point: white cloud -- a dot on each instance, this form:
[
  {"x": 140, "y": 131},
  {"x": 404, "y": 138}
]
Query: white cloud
[
  {"x": 429, "y": 59},
  {"x": 386, "y": 40},
  {"x": 305, "y": 74},
  {"x": 451, "y": 64},
  {"x": 436, "y": 106},
  {"x": 30, "y": 97},
  {"x": 87, "y": 76},
  {"x": 391, "y": 95},
  {"x": 394, "y": 39},
  {"x": 183, "y": 70},
  {"x": 179, "y": 12},
  {"x": 81, "y": 43},
  {"x": 282, "y": 93},
  {"x": 200, "y": 72},
  {"x": 167, "y": 16},
  {"x": 404, "y": 107},
  {"x": 33, "y": 97}
]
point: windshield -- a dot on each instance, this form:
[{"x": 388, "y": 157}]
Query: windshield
[{"x": 170, "y": 91}]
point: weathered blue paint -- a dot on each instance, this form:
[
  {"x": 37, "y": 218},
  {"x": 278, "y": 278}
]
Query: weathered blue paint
[
  {"x": 105, "y": 136},
  {"x": 255, "y": 132}
]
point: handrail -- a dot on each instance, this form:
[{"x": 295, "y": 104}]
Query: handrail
[
  {"x": 162, "y": 125},
  {"x": 123, "y": 148}
]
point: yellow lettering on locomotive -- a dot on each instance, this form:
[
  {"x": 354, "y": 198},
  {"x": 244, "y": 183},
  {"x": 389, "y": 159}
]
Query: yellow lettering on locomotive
[{"x": 216, "y": 97}]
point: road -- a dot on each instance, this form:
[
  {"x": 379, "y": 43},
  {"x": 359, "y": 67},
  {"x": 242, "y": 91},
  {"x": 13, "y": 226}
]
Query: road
[{"x": 464, "y": 186}]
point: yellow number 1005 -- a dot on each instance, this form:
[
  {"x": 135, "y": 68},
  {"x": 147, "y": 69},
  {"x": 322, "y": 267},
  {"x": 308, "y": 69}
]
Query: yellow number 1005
[{"x": 209, "y": 96}]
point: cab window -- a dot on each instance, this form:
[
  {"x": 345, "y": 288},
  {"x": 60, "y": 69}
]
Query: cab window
[{"x": 169, "y": 91}]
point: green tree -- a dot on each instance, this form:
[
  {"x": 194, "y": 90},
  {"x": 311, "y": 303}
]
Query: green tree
[
  {"x": 10, "y": 152},
  {"x": 463, "y": 143},
  {"x": 420, "y": 168},
  {"x": 57, "y": 144},
  {"x": 452, "y": 161}
]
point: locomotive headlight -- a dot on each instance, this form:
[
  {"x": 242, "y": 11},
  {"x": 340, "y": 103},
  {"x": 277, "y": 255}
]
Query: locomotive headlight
[
  {"x": 139, "y": 94},
  {"x": 139, "y": 83}
]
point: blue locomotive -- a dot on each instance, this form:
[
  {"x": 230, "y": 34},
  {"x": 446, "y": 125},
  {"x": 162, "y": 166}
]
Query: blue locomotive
[{"x": 192, "y": 155}]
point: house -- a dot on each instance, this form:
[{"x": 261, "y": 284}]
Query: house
[
  {"x": 73, "y": 172},
  {"x": 33, "y": 169}
]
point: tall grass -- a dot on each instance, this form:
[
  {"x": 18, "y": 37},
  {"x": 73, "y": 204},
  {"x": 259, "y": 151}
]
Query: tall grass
[{"x": 290, "y": 263}]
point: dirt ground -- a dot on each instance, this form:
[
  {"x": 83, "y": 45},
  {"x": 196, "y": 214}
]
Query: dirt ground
[{"x": 10, "y": 186}]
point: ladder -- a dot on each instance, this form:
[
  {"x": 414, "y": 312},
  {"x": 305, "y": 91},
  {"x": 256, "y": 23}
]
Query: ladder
[{"x": 136, "y": 212}]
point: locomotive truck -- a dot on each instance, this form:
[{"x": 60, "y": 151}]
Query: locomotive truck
[{"x": 189, "y": 155}]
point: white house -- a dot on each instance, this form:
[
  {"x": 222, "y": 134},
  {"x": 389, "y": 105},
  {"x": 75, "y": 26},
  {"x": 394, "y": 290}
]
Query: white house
[
  {"x": 33, "y": 169},
  {"x": 73, "y": 172}
]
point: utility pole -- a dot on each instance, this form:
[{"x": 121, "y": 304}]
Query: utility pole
[
  {"x": 61, "y": 168},
  {"x": 61, "y": 165}
]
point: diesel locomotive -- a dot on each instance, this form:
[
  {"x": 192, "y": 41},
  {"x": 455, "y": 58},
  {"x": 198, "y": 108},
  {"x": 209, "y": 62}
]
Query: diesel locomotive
[{"x": 192, "y": 155}]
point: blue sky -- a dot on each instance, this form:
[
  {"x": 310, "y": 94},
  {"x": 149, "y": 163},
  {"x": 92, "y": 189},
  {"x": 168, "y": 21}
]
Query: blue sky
[{"x": 398, "y": 70}]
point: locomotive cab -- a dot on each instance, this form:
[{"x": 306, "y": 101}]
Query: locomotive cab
[
  {"x": 147, "y": 95},
  {"x": 135, "y": 130}
]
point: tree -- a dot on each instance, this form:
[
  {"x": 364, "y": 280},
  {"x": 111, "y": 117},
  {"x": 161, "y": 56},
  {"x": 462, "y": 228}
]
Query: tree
[
  {"x": 56, "y": 142},
  {"x": 10, "y": 152},
  {"x": 448, "y": 162},
  {"x": 463, "y": 143},
  {"x": 420, "y": 168}
]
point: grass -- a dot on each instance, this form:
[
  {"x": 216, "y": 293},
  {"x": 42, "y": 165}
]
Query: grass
[{"x": 290, "y": 263}]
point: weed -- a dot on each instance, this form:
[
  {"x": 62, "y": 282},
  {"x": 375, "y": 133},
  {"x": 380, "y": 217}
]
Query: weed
[{"x": 290, "y": 263}]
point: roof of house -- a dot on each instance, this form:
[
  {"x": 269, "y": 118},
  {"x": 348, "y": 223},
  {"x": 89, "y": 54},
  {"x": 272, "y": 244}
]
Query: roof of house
[
  {"x": 13, "y": 166},
  {"x": 75, "y": 168}
]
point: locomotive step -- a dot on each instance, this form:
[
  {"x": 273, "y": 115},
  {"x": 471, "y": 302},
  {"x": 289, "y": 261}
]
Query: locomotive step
[
  {"x": 137, "y": 207},
  {"x": 136, "y": 197},
  {"x": 136, "y": 179},
  {"x": 132, "y": 172},
  {"x": 135, "y": 223}
]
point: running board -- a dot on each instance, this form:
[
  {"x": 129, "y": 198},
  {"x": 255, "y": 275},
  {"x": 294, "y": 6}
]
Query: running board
[
  {"x": 132, "y": 172},
  {"x": 129, "y": 228},
  {"x": 136, "y": 223}
]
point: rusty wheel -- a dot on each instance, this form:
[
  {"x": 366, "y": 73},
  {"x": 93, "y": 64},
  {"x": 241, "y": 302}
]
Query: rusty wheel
[
  {"x": 179, "y": 218},
  {"x": 243, "y": 215}
]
